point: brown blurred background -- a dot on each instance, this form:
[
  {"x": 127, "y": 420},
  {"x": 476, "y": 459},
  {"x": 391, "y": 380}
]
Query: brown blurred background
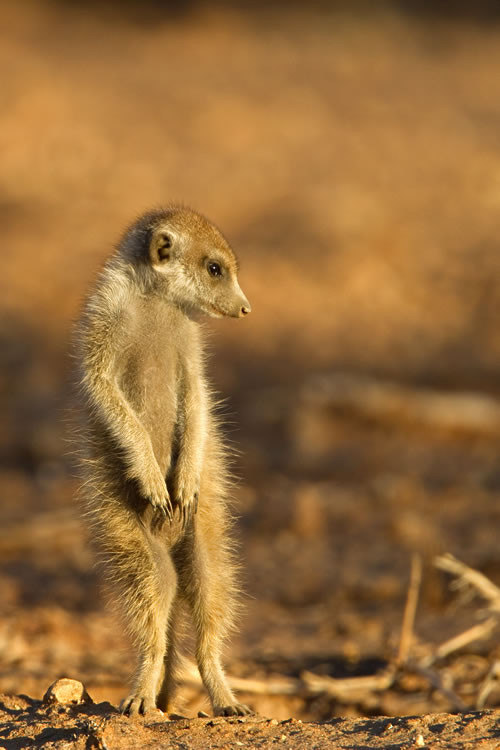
[{"x": 351, "y": 154}]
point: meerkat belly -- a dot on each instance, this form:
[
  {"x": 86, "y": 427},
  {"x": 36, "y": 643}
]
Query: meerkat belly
[{"x": 149, "y": 386}]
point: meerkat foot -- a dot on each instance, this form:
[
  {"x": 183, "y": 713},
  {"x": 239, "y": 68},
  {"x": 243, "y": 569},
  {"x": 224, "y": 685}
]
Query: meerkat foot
[
  {"x": 133, "y": 705},
  {"x": 235, "y": 709}
]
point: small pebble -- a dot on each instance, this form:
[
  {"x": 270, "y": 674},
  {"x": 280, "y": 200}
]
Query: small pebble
[{"x": 67, "y": 691}]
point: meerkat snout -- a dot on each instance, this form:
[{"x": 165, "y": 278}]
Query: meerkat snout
[{"x": 242, "y": 306}]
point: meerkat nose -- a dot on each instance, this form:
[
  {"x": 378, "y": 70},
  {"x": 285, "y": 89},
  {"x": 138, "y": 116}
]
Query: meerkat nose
[{"x": 245, "y": 309}]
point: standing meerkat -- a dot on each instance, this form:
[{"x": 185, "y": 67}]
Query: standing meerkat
[{"x": 156, "y": 481}]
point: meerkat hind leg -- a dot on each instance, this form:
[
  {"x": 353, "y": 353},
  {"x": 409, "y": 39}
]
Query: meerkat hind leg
[
  {"x": 167, "y": 682},
  {"x": 208, "y": 657},
  {"x": 208, "y": 591},
  {"x": 148, "y": 590}
]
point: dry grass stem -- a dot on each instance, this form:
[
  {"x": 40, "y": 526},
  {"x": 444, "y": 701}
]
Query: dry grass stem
[
  {"x": 476, "y": 633},
  {"x": 491, "y": 681},
  {"x": 435, "y": 679},
  {"x": 349, "y": 686},
  {"x": 468, "y": 576},
  {"x": 410, "y": 610}
]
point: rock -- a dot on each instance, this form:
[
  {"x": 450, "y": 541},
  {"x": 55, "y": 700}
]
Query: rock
[{"x": 67, "y": 691}]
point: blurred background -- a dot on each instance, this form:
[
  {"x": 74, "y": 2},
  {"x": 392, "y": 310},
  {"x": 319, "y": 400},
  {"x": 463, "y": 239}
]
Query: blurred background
[{"x": 351, "y": 154}]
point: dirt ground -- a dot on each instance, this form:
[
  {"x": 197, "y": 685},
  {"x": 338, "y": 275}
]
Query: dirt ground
[
  {"x": 29, "y": 723},
  {"x": 352, "y": 158}
]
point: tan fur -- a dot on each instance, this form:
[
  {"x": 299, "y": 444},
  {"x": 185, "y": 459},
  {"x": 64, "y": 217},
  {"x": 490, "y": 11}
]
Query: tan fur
[{"x": 156, "y": 480}]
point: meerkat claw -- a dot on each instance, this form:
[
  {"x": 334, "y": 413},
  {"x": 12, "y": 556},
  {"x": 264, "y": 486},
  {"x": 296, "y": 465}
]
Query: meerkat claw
[
  {"x": 160, "y": 515},
  {"x": 236, "y": 709},
  {"x": 134, "y": 705},
  {"x": 159, "y": 518}
]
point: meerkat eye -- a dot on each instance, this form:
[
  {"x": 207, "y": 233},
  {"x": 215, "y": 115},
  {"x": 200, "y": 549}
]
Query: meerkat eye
[{"x": 214, "y": 269}]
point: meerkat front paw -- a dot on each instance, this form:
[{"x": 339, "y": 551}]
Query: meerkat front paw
[
  {"x": 154, "y": 489},
  {"x": 187, "y": 489}
]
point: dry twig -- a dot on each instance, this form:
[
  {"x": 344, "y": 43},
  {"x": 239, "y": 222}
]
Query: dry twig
[
  {"x": 436, "y": 681},
  {"x": 467, "y": 576},
  {"x": 491, "y": 681},
  {"x": 348, "y": 687},
  {"x": 310, "y": 684},
  {"x": 410, "y": 610},
  {"x": 476, "y": 633}
]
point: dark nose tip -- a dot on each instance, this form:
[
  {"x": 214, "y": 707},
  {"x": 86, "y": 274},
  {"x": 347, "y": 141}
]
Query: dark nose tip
[{"x": 245, "y": 310}]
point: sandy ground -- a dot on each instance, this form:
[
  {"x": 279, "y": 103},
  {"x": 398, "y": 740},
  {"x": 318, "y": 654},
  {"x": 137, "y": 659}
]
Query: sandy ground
[{"x": 29, "y": 723}]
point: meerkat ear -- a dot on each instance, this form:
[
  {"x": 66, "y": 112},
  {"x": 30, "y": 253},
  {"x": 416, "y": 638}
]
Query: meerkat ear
[{"x": 160, "y": 247}]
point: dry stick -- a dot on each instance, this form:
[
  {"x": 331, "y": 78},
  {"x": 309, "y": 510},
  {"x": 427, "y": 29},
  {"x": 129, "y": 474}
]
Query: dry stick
[
  {"x": 348, "y": 687},
  {"x": 407, "y": 630},
  {"x": 490, "y": 682},
  {"x": 410, "y": 610},
  {"x": 476, "y": 633},
  {"x": 276, "y": 686},
  {"x": 467, "y": 575},
  {"x": 487, "y": 589},
  {"x": 436, "y": 681},
  {"x": 309, "y": 684}
]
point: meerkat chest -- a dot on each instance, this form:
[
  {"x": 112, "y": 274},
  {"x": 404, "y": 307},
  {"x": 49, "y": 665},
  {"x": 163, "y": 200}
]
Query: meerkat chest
[{"x": 155, "y": 362}]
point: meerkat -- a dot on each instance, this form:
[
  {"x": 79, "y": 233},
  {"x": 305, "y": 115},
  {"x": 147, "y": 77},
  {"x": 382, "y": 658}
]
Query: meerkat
[{"x": 156, "y": 479}]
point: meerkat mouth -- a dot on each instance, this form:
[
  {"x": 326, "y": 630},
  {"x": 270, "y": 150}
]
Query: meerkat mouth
[{"x": 214, "y": 312}]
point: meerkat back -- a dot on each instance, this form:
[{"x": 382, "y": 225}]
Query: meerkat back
[{"x": 155, "y": 472}]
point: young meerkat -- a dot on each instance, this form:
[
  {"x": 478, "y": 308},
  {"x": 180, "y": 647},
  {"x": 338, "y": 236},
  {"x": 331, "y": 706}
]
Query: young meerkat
[{"x": 156, "y": 482}]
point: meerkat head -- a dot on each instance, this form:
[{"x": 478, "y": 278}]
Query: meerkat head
[{"x": 192, "y": 262}]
